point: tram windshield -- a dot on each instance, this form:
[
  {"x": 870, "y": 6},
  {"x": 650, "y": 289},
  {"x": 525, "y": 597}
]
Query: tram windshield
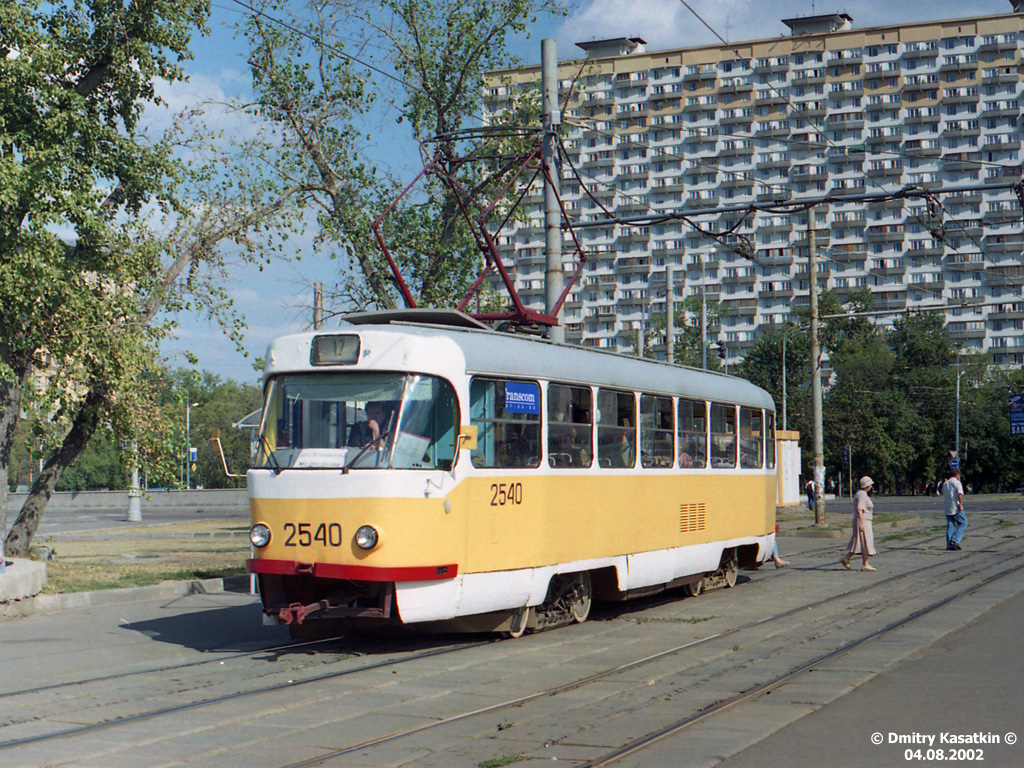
[{"x": 358, "y": 421}]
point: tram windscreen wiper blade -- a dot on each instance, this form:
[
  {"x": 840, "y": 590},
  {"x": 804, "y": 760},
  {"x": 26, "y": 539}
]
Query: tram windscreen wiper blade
[
  {"x": 377, "y": 443},
  {"x": 270, "y": 455}
]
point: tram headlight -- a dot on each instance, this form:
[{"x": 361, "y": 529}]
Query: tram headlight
[
  {"x": 259, "y": 535},
  {"x": 366, "y": 537}
]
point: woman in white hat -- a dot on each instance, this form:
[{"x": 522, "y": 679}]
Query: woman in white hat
[{"x": 862, "y": 542}]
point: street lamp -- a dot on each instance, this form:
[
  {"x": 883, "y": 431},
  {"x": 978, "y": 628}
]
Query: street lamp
[{"x": 188, "y": 443}]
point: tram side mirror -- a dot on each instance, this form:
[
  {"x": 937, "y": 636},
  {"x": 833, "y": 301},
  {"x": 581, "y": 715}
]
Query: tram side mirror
[
  {"x": 467, "y": 436},
  {"x": 215, "y": 439}
]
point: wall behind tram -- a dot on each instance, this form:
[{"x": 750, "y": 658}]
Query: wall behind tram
[{"x": 228, "y": 501}]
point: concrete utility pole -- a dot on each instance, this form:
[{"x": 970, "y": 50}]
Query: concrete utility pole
[
  {"x": 670, "y": 314},
  {"x": 819, "y": 451},
  {"x": 703, "y": 318},
  {"x": 551, "y": 119},
  {"x": 318, "y": 306}
]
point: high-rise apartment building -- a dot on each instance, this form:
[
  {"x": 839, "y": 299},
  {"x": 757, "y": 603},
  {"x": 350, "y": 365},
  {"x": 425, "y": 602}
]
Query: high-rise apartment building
[{"x": 828, "y": 109}]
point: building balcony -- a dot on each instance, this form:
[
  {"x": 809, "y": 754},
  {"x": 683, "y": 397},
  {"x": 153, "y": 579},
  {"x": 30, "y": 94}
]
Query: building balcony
[
  {"x": 1012, "y": 246},
  {"x": 890, "y": 174},
  {"x": 960, "y": 133},
  {"x": 739, "y": 280},
  {"x": 633, "y": 265},
  {"x": 847, "y": 254},
  {"x": 809, "y": 174},
  {"x": 923, "y": 119},
  {"x": 965, "y": 262},
  {"x": 702, "y": 202},
  {"x": 994, "y": 76},
  {"x": 1001, "y": 146},
  {"x": 704, "y": 74},
  {"x": 736, "y": 151},
  {"x": 1002, "y": 215},
  {"x": 919, "y": 253},
  {"x": 976, "y": 333}
]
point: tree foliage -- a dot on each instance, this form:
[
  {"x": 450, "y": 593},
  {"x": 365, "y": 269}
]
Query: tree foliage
[
  {"x": 74, "y": 78},
  {"x": 324, "y": 93},
  {"x": 890, "y": 405}
]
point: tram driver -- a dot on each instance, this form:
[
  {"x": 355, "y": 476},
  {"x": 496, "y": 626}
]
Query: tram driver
[{"x": 366, "y": 432}]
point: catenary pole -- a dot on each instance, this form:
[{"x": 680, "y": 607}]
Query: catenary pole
[
  {"x": 819, "y": 452},
  {"x": 670, "y": 314},
  {"x": 551, "y": 119}
]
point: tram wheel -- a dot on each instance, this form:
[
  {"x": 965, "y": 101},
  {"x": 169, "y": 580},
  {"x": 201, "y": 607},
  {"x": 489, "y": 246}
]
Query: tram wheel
[
  {"x": 582, "y": 597},
  {"x": 729, "y": 571},
  {"x": 520, "y": 623},
  {"x": 694, "y": 589}
]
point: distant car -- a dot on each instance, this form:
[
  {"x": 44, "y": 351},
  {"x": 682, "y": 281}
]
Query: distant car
[{"x": 1018, "y": 490}]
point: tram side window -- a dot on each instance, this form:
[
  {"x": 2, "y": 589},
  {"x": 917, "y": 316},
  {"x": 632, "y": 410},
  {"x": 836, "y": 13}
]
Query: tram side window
[
  {"x": 427, "y": 434},
  {"x": 693, "y": 434},
  {"x": 569, "y": 426},
  {"x": 769, "y": 439},
  {"x": 751, "y": 438},
  {"x": 723, "y": 435},
  {"x": 657, "y": 431},
  {"x": 616, "y": 428},
  {"x": 507, "y": 417}
]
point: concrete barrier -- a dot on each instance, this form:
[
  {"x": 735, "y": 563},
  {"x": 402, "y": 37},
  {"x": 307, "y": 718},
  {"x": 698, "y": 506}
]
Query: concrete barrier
[
  {"x": 232, "y": 500},
  {"x": 21, "y": 580}
]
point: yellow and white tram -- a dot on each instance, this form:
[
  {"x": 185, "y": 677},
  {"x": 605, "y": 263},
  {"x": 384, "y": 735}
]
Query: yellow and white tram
[{"x": 417, "y": 466}]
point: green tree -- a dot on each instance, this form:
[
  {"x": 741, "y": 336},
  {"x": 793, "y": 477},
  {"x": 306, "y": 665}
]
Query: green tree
[
  {"x": 106, "y": 290},
  {"x": 321, "y": 99},
  {"x": 763, "y": 366},
  {"x": 74, "y": 77},
  {"x": 220, "y": 405},
  {"x": 688, "y": 348}
]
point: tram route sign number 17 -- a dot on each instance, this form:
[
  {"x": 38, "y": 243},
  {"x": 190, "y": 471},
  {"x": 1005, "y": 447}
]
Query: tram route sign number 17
[{"x": 1017, "y": 414}]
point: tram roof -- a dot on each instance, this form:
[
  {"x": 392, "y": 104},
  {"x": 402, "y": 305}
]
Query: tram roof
[{"x": 517, "y": 355}]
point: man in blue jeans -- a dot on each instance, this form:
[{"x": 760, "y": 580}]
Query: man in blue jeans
[{"x": 956, "y": 520}]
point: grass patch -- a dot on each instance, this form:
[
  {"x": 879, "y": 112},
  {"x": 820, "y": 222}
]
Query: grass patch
[
  {"x": 139, "y": 556},
  {"x": 497, "y": 762}
]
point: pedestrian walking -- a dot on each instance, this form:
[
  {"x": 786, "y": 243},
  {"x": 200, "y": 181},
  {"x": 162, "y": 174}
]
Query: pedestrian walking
[
  {"x": 809, "y": 489},
  {"x": 956, "y": 520},
  {"x": 862, "y": 540}
]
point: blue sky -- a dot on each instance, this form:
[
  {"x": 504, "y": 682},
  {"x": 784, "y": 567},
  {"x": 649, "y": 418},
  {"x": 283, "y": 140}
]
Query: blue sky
[{"x": 277, "y": 300}]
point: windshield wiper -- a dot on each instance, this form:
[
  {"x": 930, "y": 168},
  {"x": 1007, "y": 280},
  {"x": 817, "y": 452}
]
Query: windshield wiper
[
  {"x": 278, "y": 469},
  {"x": 377, "y": 443}
]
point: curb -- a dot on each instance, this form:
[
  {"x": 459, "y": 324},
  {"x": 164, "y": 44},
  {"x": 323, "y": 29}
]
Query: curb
[{"x": 40, "y": 605}]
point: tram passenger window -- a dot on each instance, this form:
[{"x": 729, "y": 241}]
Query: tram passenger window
[
  {"x": 657, "y": 431},
  {"x": 769, "y": 439},
  {"x": 751, "y": 438},
  {"x": 507, "y": 417},
  {"x": 616, "y": 428},
  {"x": 723, "y": 435},
  {"x": 693, "y": 434},
  {"x": 569, "y": 426}
]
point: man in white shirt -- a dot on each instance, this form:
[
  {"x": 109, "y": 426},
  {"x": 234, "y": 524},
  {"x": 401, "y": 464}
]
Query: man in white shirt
[{"x": 956, "y": 520}]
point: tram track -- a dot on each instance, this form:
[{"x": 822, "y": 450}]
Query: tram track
[
  {"x": 650, "y": 739},
  {"x": 519, "y": 702},
  {"x": 705, "y": 710}
]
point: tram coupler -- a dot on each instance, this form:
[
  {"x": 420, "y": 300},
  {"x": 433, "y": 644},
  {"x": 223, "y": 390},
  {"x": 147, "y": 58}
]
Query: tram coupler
[{"x": 296, "y": 613}]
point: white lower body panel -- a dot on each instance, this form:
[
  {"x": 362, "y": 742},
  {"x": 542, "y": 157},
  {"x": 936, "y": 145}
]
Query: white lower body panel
[{"x": 473, "y": 593}]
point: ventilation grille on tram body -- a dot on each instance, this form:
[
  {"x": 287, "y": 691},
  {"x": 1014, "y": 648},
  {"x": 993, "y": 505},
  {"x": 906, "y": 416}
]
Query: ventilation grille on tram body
[{"x": 692, "y": 517}]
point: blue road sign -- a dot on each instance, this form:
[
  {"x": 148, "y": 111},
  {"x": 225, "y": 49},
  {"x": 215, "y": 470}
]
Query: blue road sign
[
  {"x": 954, "y": 463},
  {"x": 1017, "y": 414}
]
